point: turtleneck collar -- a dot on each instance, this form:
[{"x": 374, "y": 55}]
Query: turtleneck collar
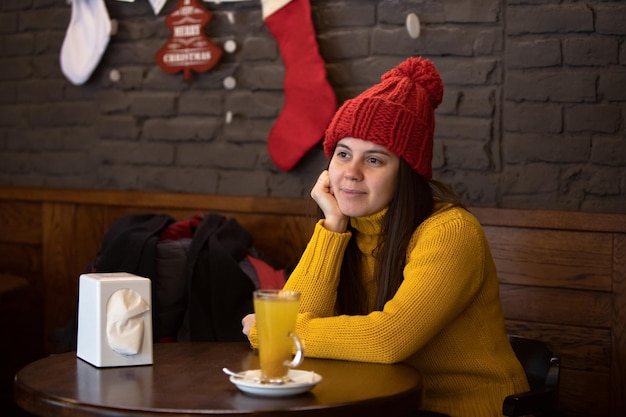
[
  {"x": 369, "y": 225},
  {"x": 372, "y": 224}
]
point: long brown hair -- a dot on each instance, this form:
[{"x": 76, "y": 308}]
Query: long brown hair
[{"x": 412, "y": 203}]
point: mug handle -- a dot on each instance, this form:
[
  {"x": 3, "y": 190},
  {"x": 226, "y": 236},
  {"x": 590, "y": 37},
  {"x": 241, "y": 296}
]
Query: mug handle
[{"x": 299, "y": 356}]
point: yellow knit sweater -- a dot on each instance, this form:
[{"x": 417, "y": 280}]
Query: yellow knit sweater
[{"x": 445, "y": 319}]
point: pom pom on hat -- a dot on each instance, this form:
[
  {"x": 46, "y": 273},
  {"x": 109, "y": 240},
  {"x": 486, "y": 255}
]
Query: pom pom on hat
[
  {"x": 424, "y": 74},
  {"x": 398, "y": 113}
]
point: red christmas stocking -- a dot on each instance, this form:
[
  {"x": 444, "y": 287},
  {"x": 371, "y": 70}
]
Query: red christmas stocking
[{"x": 310, "y": 101}]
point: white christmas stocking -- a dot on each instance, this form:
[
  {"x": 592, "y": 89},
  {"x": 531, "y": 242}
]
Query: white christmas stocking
[{"x": 86, "y": 39}]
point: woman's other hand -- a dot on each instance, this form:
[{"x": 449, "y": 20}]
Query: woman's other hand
[
  {"x": 322, "y": 193},
  {"x": 247, "y": 322}
]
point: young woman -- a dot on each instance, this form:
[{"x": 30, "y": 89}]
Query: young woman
[{"x": 397, "y": 269}]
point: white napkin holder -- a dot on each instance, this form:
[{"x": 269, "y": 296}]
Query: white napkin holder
[{"x": 94, "y": 342}]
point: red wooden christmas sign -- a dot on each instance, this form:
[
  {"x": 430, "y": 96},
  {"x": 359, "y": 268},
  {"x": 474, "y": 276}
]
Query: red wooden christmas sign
[{"x": 189, "y": 48}]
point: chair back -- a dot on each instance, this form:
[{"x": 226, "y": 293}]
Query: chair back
[{"x": 540, "y": 363}]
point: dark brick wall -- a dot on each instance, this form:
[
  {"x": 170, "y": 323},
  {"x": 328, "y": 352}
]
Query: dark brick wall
[{"x": 534, "y": 111}]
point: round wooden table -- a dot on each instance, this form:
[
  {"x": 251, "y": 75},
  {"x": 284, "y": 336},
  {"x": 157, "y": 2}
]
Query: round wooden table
[{"x": 186, "y": 379}]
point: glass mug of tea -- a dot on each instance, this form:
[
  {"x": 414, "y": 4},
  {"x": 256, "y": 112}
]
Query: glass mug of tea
[{"x": 276, "y": 312}]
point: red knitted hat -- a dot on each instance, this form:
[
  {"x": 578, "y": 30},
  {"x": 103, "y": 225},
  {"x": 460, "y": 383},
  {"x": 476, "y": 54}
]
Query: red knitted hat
[{"x": 398, "y": 113}]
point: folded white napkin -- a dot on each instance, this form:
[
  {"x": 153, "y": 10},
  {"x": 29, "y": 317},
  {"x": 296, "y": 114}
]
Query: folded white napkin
[
  {"x": 157, "y": 5},
  {"x": 125, "y": 321},
  {"x": 86, "y": 39}
]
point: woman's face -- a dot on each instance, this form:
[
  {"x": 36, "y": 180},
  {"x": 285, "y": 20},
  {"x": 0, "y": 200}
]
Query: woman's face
[{"x": 362, "y": 176}]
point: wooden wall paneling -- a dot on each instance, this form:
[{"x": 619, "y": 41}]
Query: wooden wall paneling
[
  {"x": 618, "y": 320},
  {"x": 553, "y": 305},
  {"x": 281, "y": 238},
  {"x": 552, "y": 258},
  {"x": 68, "y": 228},
  {"x": 58, "y": 258},
  {"x": 23, "y": 260},
  {"x": 89, "y": 228},
  {"x": 297, "y": 232},
  {"x": 549, "y": 219},
  {"x": 151, "y": 200},
  {"x": 21, "y": 222},
  {"x": 113, "y": 213},
  {"x": 585, "y": 348},
  {"x": 582, "y": 348},
  {"x": 584, "y": 393}
]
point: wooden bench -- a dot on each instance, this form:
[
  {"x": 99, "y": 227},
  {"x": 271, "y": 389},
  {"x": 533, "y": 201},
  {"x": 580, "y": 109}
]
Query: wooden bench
[{"x": 563, "y": 274}]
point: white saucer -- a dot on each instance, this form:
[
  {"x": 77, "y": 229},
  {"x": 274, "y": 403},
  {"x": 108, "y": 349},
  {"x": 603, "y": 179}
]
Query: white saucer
[{"x": 300, "y": 381}]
